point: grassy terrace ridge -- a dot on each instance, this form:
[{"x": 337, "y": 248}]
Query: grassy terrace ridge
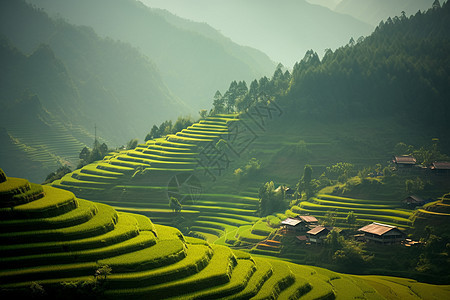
[
  {"x": 148, "y": 260},
  {"x": 136, "y": 180},
  {"x": 366, "y": 210}
]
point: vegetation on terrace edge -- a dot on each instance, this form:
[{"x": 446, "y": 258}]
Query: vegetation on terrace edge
[
  {"x": 285, "y": 89},
  {"x": 58, "y": 245}
]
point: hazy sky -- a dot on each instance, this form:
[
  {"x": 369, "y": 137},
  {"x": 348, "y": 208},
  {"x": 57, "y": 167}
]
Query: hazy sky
[{"x": 283, "y": 29}]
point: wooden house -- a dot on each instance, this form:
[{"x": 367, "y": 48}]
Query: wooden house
[
  {"x": 292, "y": 225},
  {"x": 299, "y": 223},
  {"x": 413, "y": 201},
  {"x": 318, "y": 234},
  {"x": 382, "y": 233},
  {"x": 404, "y": 161},
  {"x": 308, "y": 221},
  {"x": 440, "y": 168}
]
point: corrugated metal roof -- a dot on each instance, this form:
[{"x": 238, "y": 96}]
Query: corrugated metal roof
[
  {"x": 317, "y": 230},
  {"x": 441, "y": 165},
  {"x": 291, "y": 222},
  {"x": 405, "y": 159},
  {"x": 377, "y": 228},
  {"x": 308, "y": 219}
]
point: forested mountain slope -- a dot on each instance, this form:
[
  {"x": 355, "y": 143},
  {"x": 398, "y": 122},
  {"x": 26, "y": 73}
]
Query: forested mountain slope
[
  {"x": 402, "y": 71},
  {"x": 80, "y": 79},
  {"x": 193, "y": 64},
  {"x": 374, "y": 11}
]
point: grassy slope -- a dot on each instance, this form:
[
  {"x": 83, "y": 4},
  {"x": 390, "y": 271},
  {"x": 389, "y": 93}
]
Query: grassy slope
[{"x": 148, "y": 259}]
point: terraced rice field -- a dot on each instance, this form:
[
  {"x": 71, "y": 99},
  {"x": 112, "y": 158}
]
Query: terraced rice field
[
  {"x": 143, "y": 179},
  {"x": 53, "y": 145},
  {"x": 366, "y": 210},
  {"x": 62, "y": 244}
]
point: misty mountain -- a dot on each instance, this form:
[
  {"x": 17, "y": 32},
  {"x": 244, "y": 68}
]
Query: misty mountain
[
  {"x": 76, "y": 81},
  {"x": 283, "y": 29},
  {"x": 194, "y": 59},
  {"x": 331, "y": 4},
  {"x": 374, "y": 11},
  {"x": 111, "y": 83}
]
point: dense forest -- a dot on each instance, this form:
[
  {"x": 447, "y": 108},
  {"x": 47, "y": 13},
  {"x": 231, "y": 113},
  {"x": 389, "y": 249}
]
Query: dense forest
[{"x": 401, "y": 72}]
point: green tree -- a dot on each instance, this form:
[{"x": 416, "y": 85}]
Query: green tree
[
  {"x": 132, "y": 144},
  {"x": 175, "y": 205},
  {"x": 203, "y": 114},
  {"x": 413, "y": 186},
  {"x": 153, "y": 134},
  {"x": 218, "y": 103},
  {"x": 85, "y": 154},
  {"x": 182, "y": 123},
  {"x": 165, "y": 128},
  {"x": 270, "y": 200},
  {"x": 351, "y": 218}
]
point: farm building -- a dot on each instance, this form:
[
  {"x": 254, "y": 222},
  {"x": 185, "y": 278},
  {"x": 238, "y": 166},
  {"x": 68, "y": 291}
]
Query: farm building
[
  {"x": 318, "y": 234},
  {"x": 292, "y": 224},
  {"x": 440, "y": 168},
  {"x": 308, "y": 220},
  {"x": 287, "y": 190},
  {"x": 382, "y": 233},
  {"x": 299, "y": 223},
  {"x": 413, "y": 201},
  {"x": 404, "y": 161}
]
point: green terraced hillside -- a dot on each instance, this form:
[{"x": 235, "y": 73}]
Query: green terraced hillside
[
  {"x": 366, "y": 210},
  {"x": 143, "y": 179},
  {"x": 55, "y": 245}
]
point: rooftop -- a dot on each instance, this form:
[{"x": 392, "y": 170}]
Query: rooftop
[
  {"x": 441, "y": 165},
  {"x": 291, "y": 222},
  {"x": 317, "y": 230},
  {"x": 405, "y": 159},
  {"x": 308, "y": 219},
  {"x": 377, "y": 228}
]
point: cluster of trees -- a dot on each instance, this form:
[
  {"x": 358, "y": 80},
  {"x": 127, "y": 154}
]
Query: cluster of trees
[
  {"x": 401, "y": 70},
  {"x": 167, "y": 127},
  {"x": 347, "y": 254},
  {"x": 88, "y": 156},
  {"x": 239, "y": 97},
  {"x": 58, "y": 174},
  {"x": 249, "y": 170},
  {"x": 424, "y": 155},
  {"x": 270, "y": 199},
  {"x": 307, "y": 185},
  {"x": 175, "y": 205}
]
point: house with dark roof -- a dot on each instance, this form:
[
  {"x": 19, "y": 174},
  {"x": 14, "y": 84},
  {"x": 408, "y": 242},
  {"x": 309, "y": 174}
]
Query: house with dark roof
[
  {"x": 440, "y": 168},
  {"x": 318, "y": 234},
  {"x": 382, "y": 233},
  {"x": 404, "y": 161},
  {"x": 308, "y": 220},
  {"x": 413, "y": 201},
  {"x": 292, "y": 224},
  {"x": 300, "y": 223}
]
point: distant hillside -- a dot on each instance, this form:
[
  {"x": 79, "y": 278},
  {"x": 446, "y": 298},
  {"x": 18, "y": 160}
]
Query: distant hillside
[
  {"x": 80, "y": 79},
  {"x": 284, "y": 29},
  {"x": 402, "y": 70},
  {"x": 374, "y": 11},
  {"x": 194, "y": 59}
]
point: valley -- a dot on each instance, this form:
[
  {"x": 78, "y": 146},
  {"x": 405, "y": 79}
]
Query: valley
[{"x": 325, "y": 180}]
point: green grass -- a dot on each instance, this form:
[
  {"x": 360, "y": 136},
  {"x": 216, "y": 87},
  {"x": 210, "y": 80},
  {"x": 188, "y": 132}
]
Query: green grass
[{"x": 281, "y": 278}]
